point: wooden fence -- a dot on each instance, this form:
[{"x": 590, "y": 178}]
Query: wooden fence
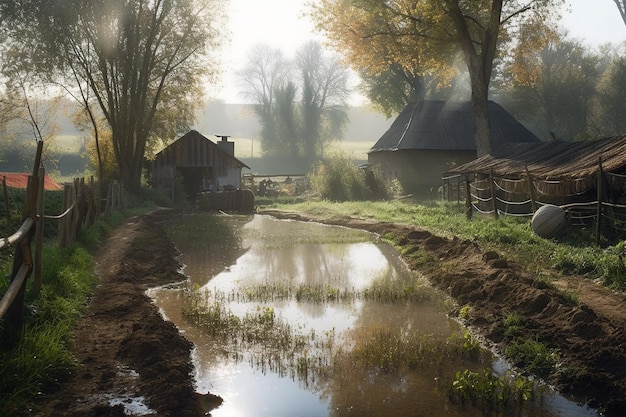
[
  {"x": 81, "y": 207},
  {"x": 598, "y": 202}
]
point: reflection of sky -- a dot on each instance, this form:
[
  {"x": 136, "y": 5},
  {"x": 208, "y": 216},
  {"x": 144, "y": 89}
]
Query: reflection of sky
[
  {"x": 351, "y": 266},
  {"x": 299, "y": 253},
  {"x": 248, "y": 392}
]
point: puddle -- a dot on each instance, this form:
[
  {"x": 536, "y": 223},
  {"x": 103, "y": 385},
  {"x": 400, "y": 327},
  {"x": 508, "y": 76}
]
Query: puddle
[{"x": 340, "y": 326}]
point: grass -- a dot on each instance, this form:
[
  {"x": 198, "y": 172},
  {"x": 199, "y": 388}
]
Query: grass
[
  {"x": 42, "y": 359},
  {"x": 572, "y": 253}
]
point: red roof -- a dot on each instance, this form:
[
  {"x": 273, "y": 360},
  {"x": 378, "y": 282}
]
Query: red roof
[{"x": 20, "y": 180}]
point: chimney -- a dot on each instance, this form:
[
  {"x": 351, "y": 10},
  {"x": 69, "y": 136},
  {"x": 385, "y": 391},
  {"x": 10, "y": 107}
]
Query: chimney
[{"x": 225, "y": 145}]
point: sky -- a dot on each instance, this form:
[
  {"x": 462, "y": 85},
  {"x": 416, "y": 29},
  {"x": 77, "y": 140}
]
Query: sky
[{"x": 282, "y": 24}]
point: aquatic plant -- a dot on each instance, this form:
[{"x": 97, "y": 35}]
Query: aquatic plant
[{"x": 492, "y": 392}]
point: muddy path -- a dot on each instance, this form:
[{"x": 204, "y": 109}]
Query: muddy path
[
  {"x": 124, "y": 348},
  {"x": 587, "y": 332}
]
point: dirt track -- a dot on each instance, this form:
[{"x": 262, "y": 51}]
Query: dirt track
[{"x": 124, "y": 347}]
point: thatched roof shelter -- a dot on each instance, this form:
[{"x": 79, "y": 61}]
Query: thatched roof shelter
[{"x": 555, "y": 160}]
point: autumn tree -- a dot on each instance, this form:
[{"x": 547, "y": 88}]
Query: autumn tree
[
  {"x": 142, "y": 61},
  {"x": 553, "y": 81},
  {"x": 424, "y": 37}
]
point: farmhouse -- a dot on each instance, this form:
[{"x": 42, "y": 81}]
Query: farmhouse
[
  {"x": 430, "y": 137},
  {"x": 198, "y": 164}
]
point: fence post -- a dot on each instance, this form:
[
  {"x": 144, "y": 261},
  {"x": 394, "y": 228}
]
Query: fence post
[
  {"x": 468, "y": 198},
  {"x": 494, "y": 201},
  {"x": 531, "y": 190},
  {"x": 14, "y": 317},
  {"x": 39, "y": 233},
  {"x": 600, "y": 190},
  {"x": 6, "y": 196}
]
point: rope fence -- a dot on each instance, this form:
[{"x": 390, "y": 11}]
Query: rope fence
[
  {"x": 81, "y": 207},
  {"x": 599, "y": 201}
]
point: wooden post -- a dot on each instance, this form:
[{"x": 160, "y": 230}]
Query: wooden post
[
  {"x": 39, "y": 233},
  {"x": 531, "y": 190},
  {"x": 600, "y": 191},
  {"x": 14, "y": 317},
  {"x": 494, "y": 201},
  {"x": 6, "y": 196},
  {"x": 468, "y": 199}
]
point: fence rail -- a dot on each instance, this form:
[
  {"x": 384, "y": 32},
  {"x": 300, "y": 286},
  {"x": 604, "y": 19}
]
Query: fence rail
[{"x": 81, "y": 207}]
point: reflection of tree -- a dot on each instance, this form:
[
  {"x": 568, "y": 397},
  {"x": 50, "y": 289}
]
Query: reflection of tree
[{"x": 207, "y": 243}]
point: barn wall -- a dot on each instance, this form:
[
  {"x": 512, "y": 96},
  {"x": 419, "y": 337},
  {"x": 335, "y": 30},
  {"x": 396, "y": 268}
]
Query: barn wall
[
  {"x": 199, "y": 161},
  {"x": 419, "y": 171}
]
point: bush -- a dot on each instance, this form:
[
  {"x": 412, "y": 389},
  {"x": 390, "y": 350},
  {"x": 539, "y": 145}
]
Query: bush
[{"x": 338, "y": 179}]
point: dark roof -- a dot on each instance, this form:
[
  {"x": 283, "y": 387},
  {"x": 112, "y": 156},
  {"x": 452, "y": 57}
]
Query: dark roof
[
  {"x": 194, "y": 136},
  {"x": 448, "y": 125},
  {"x": 552, "y": 160}
]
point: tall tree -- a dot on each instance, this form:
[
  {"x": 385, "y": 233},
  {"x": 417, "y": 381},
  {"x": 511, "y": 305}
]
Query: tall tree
[
  {"x": 611, "y": 100},
  {"x": 143, "y": 61},
  {"x": 621, "y": 6},
  {"x": 324, "y": 97},
  {"x": 300, "y": 103},
  {"x": 265, "y": 74},
  {"x": 433, "y": 30},
  {"x": 554, "y": 81}
]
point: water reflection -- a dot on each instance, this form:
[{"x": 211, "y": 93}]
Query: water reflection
[{"x": 293, "y": 255}]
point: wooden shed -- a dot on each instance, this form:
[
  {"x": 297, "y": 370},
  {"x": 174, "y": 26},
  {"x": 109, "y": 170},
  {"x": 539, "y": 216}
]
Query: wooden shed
[
  {"x": 197, "y": 163},
  {"x": 430, "y": 137}
]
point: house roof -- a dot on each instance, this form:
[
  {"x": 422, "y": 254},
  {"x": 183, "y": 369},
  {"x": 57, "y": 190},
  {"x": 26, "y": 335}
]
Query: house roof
[
  {"x": 194, "y": 136},
  {"x": 20, "y": 180},
  {"x": 556, "y": 160},
  {"x": 448, "y": 125}
]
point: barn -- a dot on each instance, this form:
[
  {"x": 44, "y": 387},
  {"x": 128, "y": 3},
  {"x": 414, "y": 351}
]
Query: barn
[
  {"x": 430, "y": 137},
  {"x": 198, "y": 164}
]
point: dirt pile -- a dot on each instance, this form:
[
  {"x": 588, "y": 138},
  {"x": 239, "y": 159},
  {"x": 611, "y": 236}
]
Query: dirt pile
[{"x": 587, "y": 333}]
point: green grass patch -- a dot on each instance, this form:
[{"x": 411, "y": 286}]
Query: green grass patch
[
  {"x": 572, "y": 253},
  {"x": 42, "y": 359}
]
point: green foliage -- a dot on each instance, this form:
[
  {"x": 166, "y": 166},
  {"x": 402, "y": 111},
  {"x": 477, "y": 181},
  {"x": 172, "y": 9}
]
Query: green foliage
[
  {"x": 512, "y": 325},
  {"x": 532, "y": 356},
  {"x": 572, "y": 254},
  {"x": 490, "y": 391},
  {"x": 42, "y": 358},
  {"x": 339, "y": 179}
]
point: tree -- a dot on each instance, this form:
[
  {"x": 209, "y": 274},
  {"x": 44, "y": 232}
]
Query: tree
[
  {"x": 324, "y": 96},
  {"x": 142, "y": 60},
  {"x": 611, "y": 102},
  {"x": 424, "y": 36},
  {"x": 265, "y": 75},
  {"x": 621, "y": 6},
  {"x": 554, "y": 81},
  {"x": 301, "y": 103}
]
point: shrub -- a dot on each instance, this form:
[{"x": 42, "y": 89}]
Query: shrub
[{"x": 338, "y": 179}]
